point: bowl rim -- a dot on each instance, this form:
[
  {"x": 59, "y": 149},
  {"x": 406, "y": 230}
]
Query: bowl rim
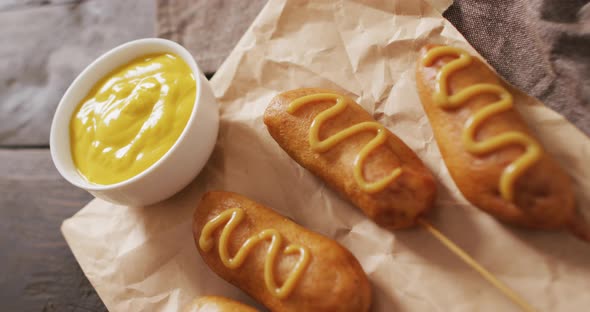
[{"x": 83, "y": 182}]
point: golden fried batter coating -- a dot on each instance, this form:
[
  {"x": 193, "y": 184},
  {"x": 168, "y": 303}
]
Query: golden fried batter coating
[
  {"x": 399, "y": 204},
  {"x": 218, "y": 304},
  {"x": 332, "y": 279},
  {"x": 543, "y": 195}
]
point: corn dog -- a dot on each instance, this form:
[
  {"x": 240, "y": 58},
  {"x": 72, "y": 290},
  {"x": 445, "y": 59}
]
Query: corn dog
[
  {"x": 218, "y": 304},
  {"x": 493, "y": 157},
  {"x": 337, "y": 140},
  {"x": 279, "y": 263}
]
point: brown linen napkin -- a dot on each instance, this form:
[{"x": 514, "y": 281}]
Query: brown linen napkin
[{"x": 540, "y": 46}]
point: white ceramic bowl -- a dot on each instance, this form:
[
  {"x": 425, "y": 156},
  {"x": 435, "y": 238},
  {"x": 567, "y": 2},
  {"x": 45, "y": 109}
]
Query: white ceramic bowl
[{"x": 171, "y": 173}]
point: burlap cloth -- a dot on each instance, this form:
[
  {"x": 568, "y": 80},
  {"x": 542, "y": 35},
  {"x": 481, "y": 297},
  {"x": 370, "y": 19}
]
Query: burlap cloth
[{"x": 540, "y": 46}]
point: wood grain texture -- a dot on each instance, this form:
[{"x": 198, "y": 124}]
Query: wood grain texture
[
  {"x": 39, "y": 272},
  {"x": 45, "y": 47},
  {"x": 209, "y": 29},
  {"x": 6, "y": 5}
]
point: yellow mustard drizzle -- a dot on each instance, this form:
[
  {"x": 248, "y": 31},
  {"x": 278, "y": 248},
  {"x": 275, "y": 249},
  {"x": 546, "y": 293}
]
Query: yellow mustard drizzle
[
  {"x": 533, "y": 151},
  {"x": 321, "y": 146},
  {"x": 232, "y": 218}
]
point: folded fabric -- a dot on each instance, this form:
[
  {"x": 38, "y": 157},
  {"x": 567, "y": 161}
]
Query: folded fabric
[{"x": 540, "y": 46}]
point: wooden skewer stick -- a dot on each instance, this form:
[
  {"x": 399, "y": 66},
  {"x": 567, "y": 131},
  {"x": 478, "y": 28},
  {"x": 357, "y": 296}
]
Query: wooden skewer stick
[{"x": 487, "y": 275}]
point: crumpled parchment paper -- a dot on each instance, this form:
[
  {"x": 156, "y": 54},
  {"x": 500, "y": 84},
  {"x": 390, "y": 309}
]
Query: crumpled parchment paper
[{"x": 144, "y": 259}]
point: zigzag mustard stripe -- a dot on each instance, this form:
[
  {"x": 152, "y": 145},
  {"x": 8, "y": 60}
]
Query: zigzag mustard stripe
[
  {"x": 321, "y": 146},
  {"x": 533, "y": 150},
  {"x": 230, "y": 219}
]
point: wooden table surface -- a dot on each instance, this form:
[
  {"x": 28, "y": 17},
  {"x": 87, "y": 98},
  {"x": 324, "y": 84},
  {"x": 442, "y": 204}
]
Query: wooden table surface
[{"x": 44, "y": 45}]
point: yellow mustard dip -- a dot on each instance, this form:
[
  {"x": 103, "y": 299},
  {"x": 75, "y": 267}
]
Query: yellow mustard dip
[{"x": 131, "y": 118}]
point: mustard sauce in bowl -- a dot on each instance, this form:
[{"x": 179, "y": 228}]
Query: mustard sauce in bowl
[
  {"x": 137, "y": 125},
  {"x": 131, "y": 118}
]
